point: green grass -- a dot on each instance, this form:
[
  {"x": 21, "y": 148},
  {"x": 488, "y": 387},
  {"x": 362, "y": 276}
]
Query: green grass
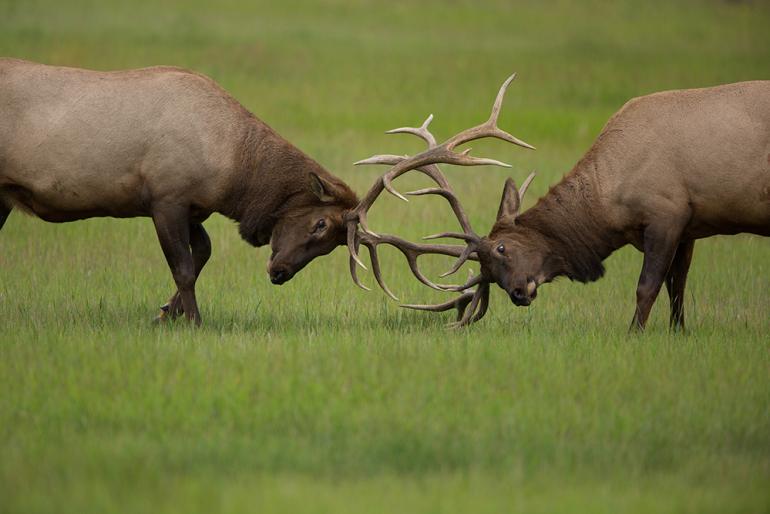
[{"x": 318, "y": 397}]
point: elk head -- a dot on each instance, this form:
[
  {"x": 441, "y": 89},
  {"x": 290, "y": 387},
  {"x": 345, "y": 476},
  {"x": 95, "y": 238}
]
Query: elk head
[
  {"x": 512, "y": 257},
  {"x": 304, "y": 233},
  {"x": 472, "y": 303}
]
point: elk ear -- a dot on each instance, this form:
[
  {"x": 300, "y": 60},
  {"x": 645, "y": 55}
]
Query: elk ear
[
  {"x": 321, "y": 188},
  {"x": 510, "y": 202}
]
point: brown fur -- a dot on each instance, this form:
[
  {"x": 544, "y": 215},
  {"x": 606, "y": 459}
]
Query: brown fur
[
  {"x": 667, "y": 169},
  {"x": 165, "y": 143}
]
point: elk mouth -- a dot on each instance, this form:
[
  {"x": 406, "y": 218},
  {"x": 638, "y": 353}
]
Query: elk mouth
[{"x": 521, "y": 302}]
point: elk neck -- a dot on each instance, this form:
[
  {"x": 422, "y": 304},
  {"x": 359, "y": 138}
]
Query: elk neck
[
  {"x": 271, "y": 181},
  {"x": 570, "y": 223}
]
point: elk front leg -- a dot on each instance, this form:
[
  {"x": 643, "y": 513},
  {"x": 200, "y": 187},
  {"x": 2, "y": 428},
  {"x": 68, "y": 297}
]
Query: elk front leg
[
  {"x": 173, "y": 228},
  {"x": 675, "y": 282},
  {"x": 200, "y": 245},
  {"x": 660, "y": 245}
]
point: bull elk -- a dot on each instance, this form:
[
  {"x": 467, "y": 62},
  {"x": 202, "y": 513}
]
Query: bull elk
[
  {"x": 166, "y": 143},
  {"x": 667, "y": 169}
]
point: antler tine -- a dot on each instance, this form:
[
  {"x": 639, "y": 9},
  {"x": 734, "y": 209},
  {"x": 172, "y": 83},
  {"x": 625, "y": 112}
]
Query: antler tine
[
  {"x": 453, "y": 235},
  {"x": 490, "y": 128},
  {"x": 388, "y": 159},
  {"x": 497, "y": 106},
  {"x": 469, "y": 311},
  {"x": 353, "y": 243},
  {"x": 376, "y": 270},
  {"x": 352, "y": 261},
  {"x": 460, "y": 260},
  {"x": 421, "y": 131},
  {"x": 412, "y": 261},
  {"x": 479, "y": 301},
  {"x": 354, "y": 275},
  {"x": 458, "y": 303},
  {"x": 484, "y": 306},
  {"x": 472, "y": 281},
  {"x": 525, "y": 185}
]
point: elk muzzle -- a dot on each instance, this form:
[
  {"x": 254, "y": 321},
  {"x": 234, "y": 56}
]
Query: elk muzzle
[
  {"x": 279, "y": 273},
  {"x": 280, "y": 276},
  {"x": 522, "y": 295}
]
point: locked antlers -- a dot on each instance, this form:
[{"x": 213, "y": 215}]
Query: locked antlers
[{"x": 470, "y": 301}]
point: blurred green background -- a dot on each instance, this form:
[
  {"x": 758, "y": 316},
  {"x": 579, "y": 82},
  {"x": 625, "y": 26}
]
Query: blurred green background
[{"x": 319, "y": 397}]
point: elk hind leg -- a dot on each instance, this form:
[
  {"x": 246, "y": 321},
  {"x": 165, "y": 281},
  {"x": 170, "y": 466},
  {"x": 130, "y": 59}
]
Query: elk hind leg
[
  {"x": 200, "y": 245},
  {"x": 676, "y": 280}
]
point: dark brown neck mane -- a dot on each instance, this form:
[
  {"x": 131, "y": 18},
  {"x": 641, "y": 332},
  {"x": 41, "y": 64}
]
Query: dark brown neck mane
[
  {"x": 567, "y": 220},
  {"x": 274, "y": 183}
]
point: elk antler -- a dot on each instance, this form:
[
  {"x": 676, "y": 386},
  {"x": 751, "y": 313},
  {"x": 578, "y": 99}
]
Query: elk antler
[
  {"x": 478, "y": 300},
  {"x": 426, "y": 163},
  {"x": 410, "y": 250}
]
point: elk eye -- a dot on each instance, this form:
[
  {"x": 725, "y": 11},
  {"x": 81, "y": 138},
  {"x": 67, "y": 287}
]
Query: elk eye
[
  {"x": 501, "y": 249},
  {"x": 320, "y": 225}
]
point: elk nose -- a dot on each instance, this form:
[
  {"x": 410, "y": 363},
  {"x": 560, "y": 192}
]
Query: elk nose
[
  {"x": 279, "y": 276},
  {"x": 519, "y": 297}
]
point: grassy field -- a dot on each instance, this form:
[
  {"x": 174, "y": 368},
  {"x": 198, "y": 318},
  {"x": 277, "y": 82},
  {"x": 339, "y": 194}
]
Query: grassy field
[{"x": 319, "y": 397}]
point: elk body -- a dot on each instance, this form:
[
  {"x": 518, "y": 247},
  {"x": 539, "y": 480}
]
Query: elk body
[
  {"x": 667, "y": 169},
  {"x": 169, "y": 144}
]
